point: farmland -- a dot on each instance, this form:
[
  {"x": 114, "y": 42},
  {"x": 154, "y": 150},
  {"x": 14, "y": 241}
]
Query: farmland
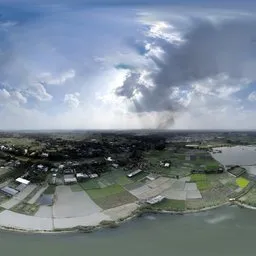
[
  {"x": 171, "y": 205},
  {"x": 249, "y": 198},
  {"x": 25, "y": 208},
  {"x": 242, "y": 182},
  {"x": 111, "y": 196},
  {"x": 201, "y": 181}
]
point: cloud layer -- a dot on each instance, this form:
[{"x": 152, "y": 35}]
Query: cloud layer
[{"x": 82, "y": 68}]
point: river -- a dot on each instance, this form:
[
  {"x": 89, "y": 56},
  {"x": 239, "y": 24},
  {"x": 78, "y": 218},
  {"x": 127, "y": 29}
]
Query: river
[
  {"x": 238, "y": 155},
  {"x": 225, "y": 231}
]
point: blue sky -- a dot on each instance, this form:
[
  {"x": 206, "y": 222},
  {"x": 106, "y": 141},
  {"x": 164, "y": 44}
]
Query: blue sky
[{"x": 147, "y": 64}]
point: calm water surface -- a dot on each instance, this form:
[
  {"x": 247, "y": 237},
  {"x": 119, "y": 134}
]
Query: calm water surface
[
  {"x": 226, "y": 231},
  {"x": 239, "y": 155}
]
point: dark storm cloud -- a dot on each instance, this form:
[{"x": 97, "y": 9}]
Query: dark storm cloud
[{"x": 229, "y": 47}]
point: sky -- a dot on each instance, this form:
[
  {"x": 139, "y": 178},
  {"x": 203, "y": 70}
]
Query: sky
[{"x": 127, "y": 64}]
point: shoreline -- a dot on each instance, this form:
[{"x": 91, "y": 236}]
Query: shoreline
[
  {"x": 115, "y": 224},
  {"x": 243, "y": 205}
]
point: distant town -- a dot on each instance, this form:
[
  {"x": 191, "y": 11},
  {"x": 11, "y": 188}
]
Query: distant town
[{"x": 52, "y": 181}]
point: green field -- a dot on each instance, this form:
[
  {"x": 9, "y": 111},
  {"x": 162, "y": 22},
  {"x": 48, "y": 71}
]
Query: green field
[
  {"x": 50, "y": 190},
  {"x": 249, "y": 198},
  {"x": 4, "y": 170},
  {"x": 115, "y": 200},
  {"x": 139, "y": 177},
  {"x": 103, "y": 192},
  {"x": 25, "y": 208},
  {"x": 111, "y": 196},
  {"x": 171, "y": 205},
  {"x": 124, "y": 181},
  {"x": 201, "y": 181},
  {"x": 90, "y": 184},
  {"x": 242, "y": 182}
]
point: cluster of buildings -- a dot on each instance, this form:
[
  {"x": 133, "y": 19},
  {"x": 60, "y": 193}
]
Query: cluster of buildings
[{"x": 19, "y": 185}]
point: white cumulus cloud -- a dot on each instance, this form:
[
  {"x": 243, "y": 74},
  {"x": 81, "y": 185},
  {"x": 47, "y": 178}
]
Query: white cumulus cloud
[
  {"x": 49, "y": 78},
  {"x": 72, "y": 100},
  {"x": 39, "y": 92},
  {"x": 252, "y": 96}
]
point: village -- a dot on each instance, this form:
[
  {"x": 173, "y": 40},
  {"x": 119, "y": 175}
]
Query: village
[{"x": 57, "y": 182}]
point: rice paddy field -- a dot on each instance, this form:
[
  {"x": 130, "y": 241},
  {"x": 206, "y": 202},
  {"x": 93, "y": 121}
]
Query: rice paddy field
[
  {"x": 4, "y": 170},
  {"x": 242, "y": 182},
  {"x": 171, "y": 205},
  {"x": 111, "y": 196},
  {"x": 201, "y": 181},
  {"x": 249, "y": 198},
  {"x": 50, "y": 190},
  {"x": 25, "y": 208},
  {"x": 180, "y": 165},
  {"x": 215, "y": 189}
]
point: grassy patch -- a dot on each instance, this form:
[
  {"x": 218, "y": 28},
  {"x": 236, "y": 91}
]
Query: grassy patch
[
  {"x": 90, "y": 184},
  {"x": 134, "y": 185},
  {"x": 4, "y": 170},
  {"x": 3, "y": 198},
  {"x": 171, "y": 205},
  {"x": 1, "y": 209},
  {"x": 242, "y": 182},
  {"x": 106, "y": 179},
  {"x": 201, "y": 181},
  {"x": 76, "y": 188},
  {"x": 25, "y": 208},
  {"x": 104, "y": 192},
  {"x": 123, "y": 180},
  {"x": 50, "y": 190},
  {"x": 111, "y": 196},
  {"x": 138, "y": 177},
  {"x": 249, "y": 198},
  {"x": 203, "y": 185},
  {"x": 198, "y": 177},
  {"x": 114, "y": 200}
]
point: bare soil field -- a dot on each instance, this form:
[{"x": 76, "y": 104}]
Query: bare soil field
[
  {"x": 73, "y": 204},
  {"x": 20, "y": 221}
]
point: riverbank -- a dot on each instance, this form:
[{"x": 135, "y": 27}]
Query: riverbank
[
  {"x": 243, "y": 205},
  {"x": 104, "y": 223}
]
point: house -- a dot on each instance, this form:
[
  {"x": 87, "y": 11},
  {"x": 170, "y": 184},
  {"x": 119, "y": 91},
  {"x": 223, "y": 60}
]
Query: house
[
  {"x": 81, "y": 176},
  {"x": 115, "y": 165},
  {"x": 61, "y": 166},
  {"x": 109, "y": 159},
  {"x": 156, "y": 199},
  {"x": 9, "y": 191},
  {"x": 130, "y": 175},
  {"x": 44, "y": 154},
  {"x": 192, "y": 145},
  {"x": 23, "y": 183},
  {"x": 69, "y": 179},
  {"x": 93, "y": 175},
  {"x": 167, "y": 165},
  {"x": 40, "y": 167}
]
